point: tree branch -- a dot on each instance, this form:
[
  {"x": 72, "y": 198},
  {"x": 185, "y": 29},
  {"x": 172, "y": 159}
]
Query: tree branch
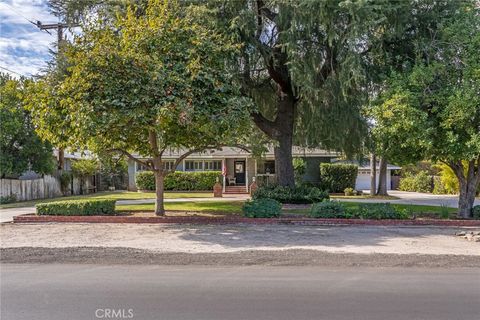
[
  {"x": 267, "y": 126},
  {"x": 131, "y": 157}
]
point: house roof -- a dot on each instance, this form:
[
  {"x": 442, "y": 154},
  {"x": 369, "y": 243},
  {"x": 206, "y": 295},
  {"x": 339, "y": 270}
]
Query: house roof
[
  {"x": 233, "y": 152},
  {"x": 366, "y": 165}
]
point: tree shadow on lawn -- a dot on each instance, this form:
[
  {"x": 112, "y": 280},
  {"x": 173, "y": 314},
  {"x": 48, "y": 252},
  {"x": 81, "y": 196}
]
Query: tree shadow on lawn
[{"x": 245, "y": 236}]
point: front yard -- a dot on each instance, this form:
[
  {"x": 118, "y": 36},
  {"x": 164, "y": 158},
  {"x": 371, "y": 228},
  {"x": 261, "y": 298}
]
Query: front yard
[
  {"x": 114, "y": 195},
  {"x": 235, "y": 208}
]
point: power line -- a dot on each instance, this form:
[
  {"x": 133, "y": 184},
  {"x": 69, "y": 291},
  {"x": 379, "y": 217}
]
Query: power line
[
  {"x": 20, "y": 14},
  {"x": 6, "y": 69}
]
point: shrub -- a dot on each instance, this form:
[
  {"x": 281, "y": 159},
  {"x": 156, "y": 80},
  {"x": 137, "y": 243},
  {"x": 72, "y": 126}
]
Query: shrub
[
  {"x": 329, "y": 209},
  {"x": 262, "y": 208},
  {"x": 65, "y": 180},
  {"x": 299, "y": 167},
  {"x": 8, "y": 199},
  {"x": 338, "y": 177},
  {"x": 380, "y": 211},
  {"x": 145, "y": 180},
  {"x": 420, "y": 182},
  {"x": 179, "y": 181},
  {"x": 301, "y": 194},
  {"x": 77, "y": 208},
  {"x": 476, "y": 212},
  {"x": 349, "y": 192}
]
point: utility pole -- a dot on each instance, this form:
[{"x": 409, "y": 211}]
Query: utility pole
[{"x": 59, "y": 27}]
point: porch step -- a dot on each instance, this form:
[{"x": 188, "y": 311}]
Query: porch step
[{"x": 236, "y": 189}]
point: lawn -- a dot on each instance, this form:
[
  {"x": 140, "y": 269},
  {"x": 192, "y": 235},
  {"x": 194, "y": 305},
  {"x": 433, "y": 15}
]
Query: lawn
[
  {"x": 419, "y": 210},
  {"x": 114, "y": 195},
  {"x": 229, "y": 207}
]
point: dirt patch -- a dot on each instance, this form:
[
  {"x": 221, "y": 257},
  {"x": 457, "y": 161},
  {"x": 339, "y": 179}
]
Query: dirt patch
[
  {"x": 233, "y": 238},
  {"x": 129, "y": 256}
]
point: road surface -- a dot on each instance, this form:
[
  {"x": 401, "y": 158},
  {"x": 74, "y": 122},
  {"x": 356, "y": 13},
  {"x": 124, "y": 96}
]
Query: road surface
[{"x": 73, "y": 292}]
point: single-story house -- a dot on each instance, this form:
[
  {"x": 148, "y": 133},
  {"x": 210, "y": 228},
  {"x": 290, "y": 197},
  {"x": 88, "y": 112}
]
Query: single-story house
[{"x": 240, "y": 167}]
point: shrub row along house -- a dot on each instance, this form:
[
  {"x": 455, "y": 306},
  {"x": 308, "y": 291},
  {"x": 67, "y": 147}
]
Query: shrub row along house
[{"x": 237, "y": 168}]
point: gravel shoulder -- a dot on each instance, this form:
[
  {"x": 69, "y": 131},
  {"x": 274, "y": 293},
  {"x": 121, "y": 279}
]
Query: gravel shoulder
[
  {"x": 233, "y": 238},
  {"x": 293, "y": 257}
]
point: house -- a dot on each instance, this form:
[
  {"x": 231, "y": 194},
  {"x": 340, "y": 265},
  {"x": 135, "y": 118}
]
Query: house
[{"x": 240, "y": 167}]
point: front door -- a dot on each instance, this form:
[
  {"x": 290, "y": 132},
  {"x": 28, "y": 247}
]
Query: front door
[{"x": 240, "y": 171}]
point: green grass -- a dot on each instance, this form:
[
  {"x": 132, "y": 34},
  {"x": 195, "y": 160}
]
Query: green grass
[
  {"x": 114, "y": 195},
  {"x": 418, "y": 210},
  {"x": 233, "y": 207}
]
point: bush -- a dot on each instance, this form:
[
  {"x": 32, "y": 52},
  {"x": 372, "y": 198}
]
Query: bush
[
  {"x": 301, "y": 194},
  {"x": 77, "y": 208},
  {"x": 179, "y": 181},
  {"x": 8, "y": 199},
  {"x": 338, "y": 177},
  {"x": 380, "y": 211},
  {"x": 349, "y": 192},
  {"x": 262, "y": 208},
  {"x": 145, "y": 180},
  {"x": 420, "y": 182},
  {"x": 329, "y": 210},
  {"x": 476, "y": 212}
]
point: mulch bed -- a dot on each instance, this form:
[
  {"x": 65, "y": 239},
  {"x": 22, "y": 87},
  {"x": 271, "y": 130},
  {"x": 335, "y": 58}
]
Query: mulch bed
[{"x": 31, "y": 218}]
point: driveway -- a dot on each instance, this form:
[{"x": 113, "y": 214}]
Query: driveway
[{"x": 417, "y": 198}]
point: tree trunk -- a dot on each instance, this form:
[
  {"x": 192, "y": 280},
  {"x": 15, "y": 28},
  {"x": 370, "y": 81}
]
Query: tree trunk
[
  {"x": 159, "y": 188},
  {"x": 382, "y": 178},
  {"x": 373, "y": 174},
  {"x": 281, "y": 130},
  {"x": 468, "y": 181},
  {"x": 284, "y": 162}
]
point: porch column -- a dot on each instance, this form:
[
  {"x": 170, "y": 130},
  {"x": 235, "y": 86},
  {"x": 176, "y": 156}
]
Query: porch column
[
  {"x": 224, "y": 173},
  {"x": 246, "y": 173}
]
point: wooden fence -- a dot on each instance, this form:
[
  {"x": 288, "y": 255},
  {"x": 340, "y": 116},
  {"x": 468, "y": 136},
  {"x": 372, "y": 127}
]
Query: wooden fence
[{"x": 42, "y": 188}]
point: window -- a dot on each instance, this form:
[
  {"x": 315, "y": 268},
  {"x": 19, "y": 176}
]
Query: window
[
  {"x": 215, "y": 165},
  {"x": 269, "y": 166},
  {"x": 141, "y": 167},
  {"x": 193, "y": 165},
  {"x": 168, "y": 165}
]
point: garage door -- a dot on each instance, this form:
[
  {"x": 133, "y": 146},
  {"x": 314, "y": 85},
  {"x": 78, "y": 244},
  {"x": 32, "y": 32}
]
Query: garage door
[{"x": 363, "y": 182}]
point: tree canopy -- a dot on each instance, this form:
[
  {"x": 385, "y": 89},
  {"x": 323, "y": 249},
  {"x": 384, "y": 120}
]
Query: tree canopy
[
  {"x": 21, "y": 148},
  {"x": 432, "y": 109},
  {"x": 146, "y": 83}
]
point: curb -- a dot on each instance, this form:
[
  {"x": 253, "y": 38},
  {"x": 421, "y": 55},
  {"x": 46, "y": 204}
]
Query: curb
[{"x": 240, "y": 220}]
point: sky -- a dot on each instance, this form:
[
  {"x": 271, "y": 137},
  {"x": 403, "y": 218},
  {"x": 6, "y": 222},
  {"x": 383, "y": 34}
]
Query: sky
[{"x": 24, "y": 49}]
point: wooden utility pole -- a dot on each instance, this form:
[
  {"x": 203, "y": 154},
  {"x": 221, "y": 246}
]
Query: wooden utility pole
[{"x": 59, "y": 27}]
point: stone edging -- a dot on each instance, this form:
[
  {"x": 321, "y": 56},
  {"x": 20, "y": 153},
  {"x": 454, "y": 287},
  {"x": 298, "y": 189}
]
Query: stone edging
[{"x": 30, "y": 218}]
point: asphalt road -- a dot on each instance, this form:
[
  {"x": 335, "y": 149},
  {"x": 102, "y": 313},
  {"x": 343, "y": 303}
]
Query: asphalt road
[{"x": 172, "y": 292}]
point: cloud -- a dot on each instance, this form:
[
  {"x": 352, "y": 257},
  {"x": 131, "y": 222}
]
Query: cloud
[{"x": 24, "y": 48}]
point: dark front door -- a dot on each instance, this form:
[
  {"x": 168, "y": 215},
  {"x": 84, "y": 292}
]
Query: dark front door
[{"x": 240, "y": 172}]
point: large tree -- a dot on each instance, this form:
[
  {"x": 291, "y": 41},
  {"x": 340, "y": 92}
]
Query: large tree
[
  {"x": 146, "y": 83},
  {"x": 432, "y": 109},
  {"x": 20, "y": 147},
  {"x": 305, "y": 65}
]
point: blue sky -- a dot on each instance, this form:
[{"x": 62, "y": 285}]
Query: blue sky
[{"x": 24, "y": 48}]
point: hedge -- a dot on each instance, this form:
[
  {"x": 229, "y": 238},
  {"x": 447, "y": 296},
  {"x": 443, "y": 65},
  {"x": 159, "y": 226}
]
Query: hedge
[
  {"x": 337, "y": 177},
  {"x": 380, "y": 211},
  {"x": 329, "y": 210},
  {"x": 262, "y": 208},
  {"x": 77, "y": 208},
  {"x": 179, "y": 181},
  {"x": 302, "y": 194},
  {"x": 476, "y": 212}
]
